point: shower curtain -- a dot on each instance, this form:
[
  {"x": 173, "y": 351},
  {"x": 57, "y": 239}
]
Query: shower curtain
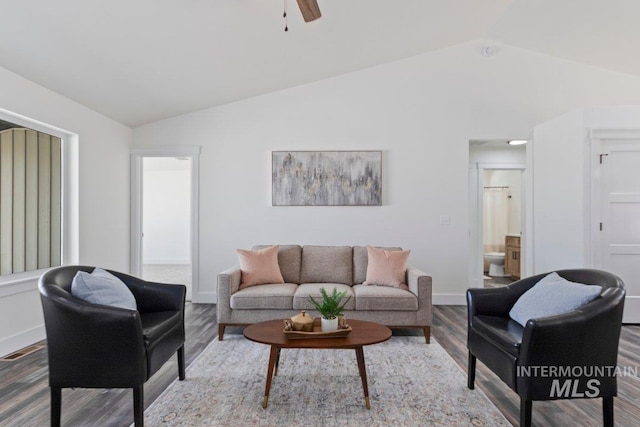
[{"x": 495, "y": 218}]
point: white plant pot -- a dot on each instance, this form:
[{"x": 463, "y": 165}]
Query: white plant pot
[{"x": 329, "y": 325}]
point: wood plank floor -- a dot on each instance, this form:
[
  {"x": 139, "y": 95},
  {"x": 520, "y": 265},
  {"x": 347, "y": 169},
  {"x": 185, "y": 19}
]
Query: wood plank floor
[
  {"x": 24, "y": 387},
  {"x": 450, "y": 330},
  {"x": 24, "y": 391}
]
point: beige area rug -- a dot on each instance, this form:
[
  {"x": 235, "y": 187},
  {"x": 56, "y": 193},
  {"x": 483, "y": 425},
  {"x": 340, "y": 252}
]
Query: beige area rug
[{"x": 410, "y": 383}]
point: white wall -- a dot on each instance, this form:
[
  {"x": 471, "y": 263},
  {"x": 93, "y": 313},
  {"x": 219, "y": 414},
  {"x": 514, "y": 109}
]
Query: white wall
[
  {"x": 559, "y": 193},
  {"x": 491, "y": 154},
  {"x": 562, "y": 199},
  {"x": 103, "y": 196},
  {"x": 166, "y": 211},
  {"x": 619, "y": 117},
  {"x": 421, "y": 112}
]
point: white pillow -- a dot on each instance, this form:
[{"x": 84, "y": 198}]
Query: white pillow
[
  {"x": 102, "y": 287},
  {"x": 550, "y": 296}
]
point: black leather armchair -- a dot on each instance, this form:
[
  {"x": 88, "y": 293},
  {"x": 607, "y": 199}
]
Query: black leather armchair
[
  {"x": 537, "y": 361},
  {"x": 99, "y": 346}
]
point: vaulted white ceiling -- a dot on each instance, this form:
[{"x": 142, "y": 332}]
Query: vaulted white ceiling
[{"x": 139, "y": 61}]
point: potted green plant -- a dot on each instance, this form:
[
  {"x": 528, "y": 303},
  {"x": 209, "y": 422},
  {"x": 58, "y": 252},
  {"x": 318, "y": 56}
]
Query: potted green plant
[{"x": 330, "y": 307}]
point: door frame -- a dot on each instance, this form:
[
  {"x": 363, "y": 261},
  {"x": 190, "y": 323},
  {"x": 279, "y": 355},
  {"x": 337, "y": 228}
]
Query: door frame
[
  {"x": 476, "y": 272},
  {"x": 136, "y": 156}
]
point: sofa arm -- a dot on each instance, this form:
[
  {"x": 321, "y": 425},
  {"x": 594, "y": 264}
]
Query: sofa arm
[
  {"x": 420, "y": 284},
  {"x": 228, "y": 284}
]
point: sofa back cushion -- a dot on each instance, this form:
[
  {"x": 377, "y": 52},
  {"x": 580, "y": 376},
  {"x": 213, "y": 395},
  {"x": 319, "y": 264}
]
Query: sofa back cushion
[
  {"x": 360, "y": 262},
  {"x": 289, "y": 260},
  {"x": 327, "y": 264}
]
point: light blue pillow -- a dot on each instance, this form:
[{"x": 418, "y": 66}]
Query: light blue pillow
[
  {"x": 550, "y": 296},
  {"x": 102, "y": 287}
]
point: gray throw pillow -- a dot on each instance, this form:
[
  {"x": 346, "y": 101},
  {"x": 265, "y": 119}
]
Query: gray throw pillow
[
  {"x": 102, "y": 287},
  {"x": 550, "y": 296}
]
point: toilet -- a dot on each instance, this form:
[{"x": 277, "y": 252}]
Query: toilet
[{"x": 496, "y": 263}]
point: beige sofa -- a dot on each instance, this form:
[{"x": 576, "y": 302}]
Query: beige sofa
[{"x": 307, "y": 269}]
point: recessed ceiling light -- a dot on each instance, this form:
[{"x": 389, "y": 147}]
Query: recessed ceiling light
[{"x": 517, "y": 142}]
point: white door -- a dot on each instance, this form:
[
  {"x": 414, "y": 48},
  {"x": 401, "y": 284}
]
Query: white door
[{"x": 619, "y": 251}]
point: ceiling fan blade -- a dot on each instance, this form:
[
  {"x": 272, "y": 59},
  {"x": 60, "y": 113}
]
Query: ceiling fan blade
[{"x": 310, "y": 10}]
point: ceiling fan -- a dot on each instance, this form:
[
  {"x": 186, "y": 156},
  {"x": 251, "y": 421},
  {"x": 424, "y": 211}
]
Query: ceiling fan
[{"x": 310, "y": 10}]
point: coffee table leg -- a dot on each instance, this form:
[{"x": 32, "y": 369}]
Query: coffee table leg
[
  {"x": 275, "y": 372},
  {"x": 272, "y": 362},
  {"x": 363, "y": 375}
]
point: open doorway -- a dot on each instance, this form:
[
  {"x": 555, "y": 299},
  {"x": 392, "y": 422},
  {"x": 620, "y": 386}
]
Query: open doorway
[
  {"x": 497, "y": 208},
  {"x": 501, "y": 225},
  {"x": 164, "y": 216},
  {"x": 166, "y": 220}
]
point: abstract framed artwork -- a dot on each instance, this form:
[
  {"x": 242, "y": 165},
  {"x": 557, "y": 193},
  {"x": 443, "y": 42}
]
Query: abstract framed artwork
[{"x": 326, "y": 178}]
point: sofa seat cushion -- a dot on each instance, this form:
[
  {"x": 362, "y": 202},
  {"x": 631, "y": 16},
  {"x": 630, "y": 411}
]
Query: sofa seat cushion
[
  {"x": 265, "y": 297},
  {"x": 378, "y": 298},
  {"x": 301, "y": 297},
  {"x": 327, "y": 264},
  {"x": 505, "y": 332}
]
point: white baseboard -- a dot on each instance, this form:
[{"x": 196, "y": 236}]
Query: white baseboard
[
  {"x": 166, "y": 262},
  {"x": 204, "y": 298},
  {"x": 21, "y": 340},
  {"x": 631, "y": 310},
  {"x": 449, "y": 299}
]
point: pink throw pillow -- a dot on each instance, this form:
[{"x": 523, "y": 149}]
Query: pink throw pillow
[
  {"x": 259, "y": 267},
  {"x": 386, "y": 268}
]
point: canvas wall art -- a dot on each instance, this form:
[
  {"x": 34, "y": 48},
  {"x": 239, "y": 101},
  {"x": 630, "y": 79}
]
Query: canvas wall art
[{"x": 326, "y": 178}]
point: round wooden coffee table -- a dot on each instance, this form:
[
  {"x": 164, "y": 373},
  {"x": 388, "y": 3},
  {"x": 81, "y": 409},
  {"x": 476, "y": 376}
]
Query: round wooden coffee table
[{"x": 272, "y": 333}]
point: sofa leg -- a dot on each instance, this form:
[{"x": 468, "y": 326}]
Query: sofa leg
[
  {"x": 607, "y": 411},
  {"x": 221, "y": 327},
  {"x": 56, "y": 406},
  {"x": 471, "y": 372},
  {"x": 525, "y": 413},
  {"x": 427, "y": 334},
  {"x": 138, "y": 406},
  {"x": 181, "y": 374}
]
